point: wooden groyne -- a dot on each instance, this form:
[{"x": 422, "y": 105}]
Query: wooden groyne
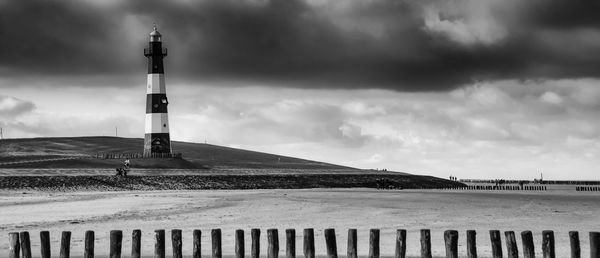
[
  {"x": 502, "y": 187},
  {"x": 587, "y": 188},
  {"x": 20, "y": 244}
]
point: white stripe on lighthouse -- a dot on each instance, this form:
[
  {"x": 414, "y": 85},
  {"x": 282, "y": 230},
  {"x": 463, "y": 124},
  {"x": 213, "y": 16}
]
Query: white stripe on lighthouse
[
  {"x": 156, "y": 83},
  {"x": 157, "y": 123}
]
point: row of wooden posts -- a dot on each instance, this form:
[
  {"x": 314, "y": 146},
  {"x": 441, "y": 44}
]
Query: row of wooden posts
[
  {"x": 20, "y": 244},
  {"x": 136, "y": 155},
  {"x": 587, "y": 188},
  {"x": 502, "y": 187}
]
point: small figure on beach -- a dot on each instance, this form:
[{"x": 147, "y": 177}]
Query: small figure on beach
[{"x": 122, "y": 171}]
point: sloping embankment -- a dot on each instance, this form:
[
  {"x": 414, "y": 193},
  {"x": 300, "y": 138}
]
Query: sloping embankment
[{"x": 198, "y": 182}]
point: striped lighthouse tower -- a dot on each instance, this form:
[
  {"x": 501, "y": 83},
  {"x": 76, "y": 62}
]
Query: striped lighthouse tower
[{"x": 156, "y": 139}]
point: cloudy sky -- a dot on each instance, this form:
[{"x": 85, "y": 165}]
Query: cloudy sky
[{"x": 476, "y": 89}]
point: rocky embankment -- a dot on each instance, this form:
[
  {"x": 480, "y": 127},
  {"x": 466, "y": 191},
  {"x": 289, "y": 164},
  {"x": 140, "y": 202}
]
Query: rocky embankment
[{"x": 198, "y": 182}]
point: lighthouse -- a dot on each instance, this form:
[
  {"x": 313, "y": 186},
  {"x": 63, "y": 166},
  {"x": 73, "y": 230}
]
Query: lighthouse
[{"x": 156, "y": 138}]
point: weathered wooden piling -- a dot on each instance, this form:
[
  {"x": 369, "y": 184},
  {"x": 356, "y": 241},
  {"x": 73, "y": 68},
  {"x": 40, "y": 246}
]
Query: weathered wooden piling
[
  {"x": 45, "y": 244},
  {"x": 176, "y": 243},
  {"x": 272, "y": 243},
  {"x": 14, "y": 246},
  {"x": 65, "y": 244},
  {"x": 425, "y": 243},
  {"x": 528, "y": 247},
  {"x": 548, "y": 244},
  {"x": 25, "y": 244},
  {"x": 471, "y": 244},
  {"x": 88, "y": 249},
  {"x": 309, "y": 243},
  {"x": 595, "y": 244},
  {"x": 330, "y": 243},
  {"x": 352, "y": 243},
  {"x": 216, "y": 243},
  {"x": 197, "y": 248},
  {"x": 159, "y": 243},
  {"x": 575, "y": 246},
  {"x": 116, "y": 239},
  {"x": 400, "y": 244},
  {"x": 512, "y": 251},
  {"x": 255, "y": 249},
  {"x": 290, "y": 243},
  {"x": 239, "y": 244},
  {"x": 374, "y": 243},
  {"x": 451, "y": 242},
  {"x": 496, "y": 241}
]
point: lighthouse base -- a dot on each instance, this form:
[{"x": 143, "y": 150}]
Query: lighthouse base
[{"x": 157, "y": 143}]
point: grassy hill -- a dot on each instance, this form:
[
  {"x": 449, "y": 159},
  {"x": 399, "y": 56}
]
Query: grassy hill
[
  {"x": 75, "y": 152},
  {"x": 70, "y": 163}
]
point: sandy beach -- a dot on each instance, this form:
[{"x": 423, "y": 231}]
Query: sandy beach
[{"x": 341, "y": 209}]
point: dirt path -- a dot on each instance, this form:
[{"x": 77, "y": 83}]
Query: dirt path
[{"x": 316, "y": 208}]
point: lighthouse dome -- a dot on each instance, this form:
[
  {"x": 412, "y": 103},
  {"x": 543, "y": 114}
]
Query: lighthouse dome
[{"x": 155, "y": 35}]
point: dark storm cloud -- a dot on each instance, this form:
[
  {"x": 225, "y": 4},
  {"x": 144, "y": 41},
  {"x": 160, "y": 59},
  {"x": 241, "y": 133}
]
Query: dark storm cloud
[{"x": 401, "y": 45}]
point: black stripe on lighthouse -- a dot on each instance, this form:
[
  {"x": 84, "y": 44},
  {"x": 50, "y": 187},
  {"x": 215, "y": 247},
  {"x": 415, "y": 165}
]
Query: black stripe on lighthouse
[
  {"x": 156, "y": 103},
  {"x": 157, "y": 143}
]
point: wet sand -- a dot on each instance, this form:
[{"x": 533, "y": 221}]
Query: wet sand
[{"x": 341, "y": 209}]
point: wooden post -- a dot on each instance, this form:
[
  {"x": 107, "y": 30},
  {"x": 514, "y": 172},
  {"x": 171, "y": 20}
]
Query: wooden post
[
  {"x": 309, "y": 243},
  {"x": 400, "y": 243},
  {"x": 548, "y": 243},
  {"x": 116, "y": 239},
  {"x": 575, "y": 247},
  {"x": 451, "y": 241},
  {"x": 594, "y": 244},
  {"x": 239, "y": 244},
  {"x": 176, "y": 243},
  {"x": 45, "y": 244},
  {"x": 216, "y": 243},
  {"x": 197, "y": 251},
  {"x": 272, "y": 243},
  {"x": 255, "y": 251},
  {"x": 65, "y": 244},
  {"x": 88, "y": 249},
  {"x": 290, "y": 246},
  {"x": 374, "y": 243},
  {"x": 330, "y": 243},
  {"x": 136, "y": 243},
  {"x": 471, "y": 244},
  {"x": 528, "y": 248},
  {"x": 496, "y": 243},
  {"x": 25, "y": 244},
  {"x": 425, "y": 243},
  {"x": 14, "y": 247},
  {"x": 512, "y": 251},
  {"x": 159, "y": 243},
  {"x": 352, "y": 235}
]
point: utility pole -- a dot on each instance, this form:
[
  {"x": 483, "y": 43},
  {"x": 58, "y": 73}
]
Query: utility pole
[
  {"x": 116, "y": 132},
  {"x": 1, "y": 135}
]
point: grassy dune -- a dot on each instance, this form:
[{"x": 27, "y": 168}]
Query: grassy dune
[
  {"x": 69, "y": 164},
  {"x": 196, "y": 155}
]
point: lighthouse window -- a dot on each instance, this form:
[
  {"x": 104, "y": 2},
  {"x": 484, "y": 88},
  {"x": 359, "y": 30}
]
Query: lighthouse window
[
  {"x": 149, "y": 86},
  {"x": 164, "y": 125},
  {"x": 155, "y": 105},
  {"x": 164, "y": 101}
]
